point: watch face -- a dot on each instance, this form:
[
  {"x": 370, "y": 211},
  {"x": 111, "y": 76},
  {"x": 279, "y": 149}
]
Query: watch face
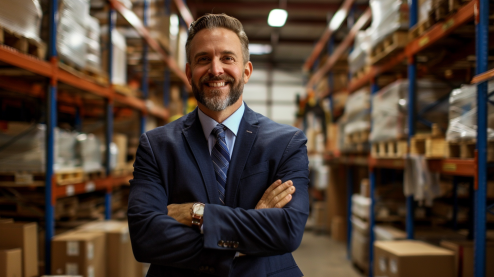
[{"x": 199, "y": 209}]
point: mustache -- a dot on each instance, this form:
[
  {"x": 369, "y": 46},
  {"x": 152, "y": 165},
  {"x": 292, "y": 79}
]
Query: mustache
[{"x": 226, "y": 78}]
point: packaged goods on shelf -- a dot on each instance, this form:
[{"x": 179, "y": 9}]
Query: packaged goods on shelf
[
  {"x": 11, "y": 262},
  {"x": 25, "y": 237},
  {"x": 25, "y": 148},
  {"x": 463, "y": 114},
  {"x": 357, "y": 110},
  {"x": 78, "y": 253},
  {"x": 425, "y": 7},
  {"x": 387, "y": 232},
  {"x": 361, "y": 206},
  {"x": 389, "y": 109},
  {"x": 90, "y": 151},
  {"x": 412, "y": 258},
  {"x": 93, "y": 55},
  {"x": 358, "y": 57},
  {"x": 360, "y": 242},
  {"x": 22, "y": 17},
  {"x": 388, "y": 16},
  {"x": 119, "y": 73},
  {"x": 464, "y": 257},
  {"x": 71, "y": 31}
]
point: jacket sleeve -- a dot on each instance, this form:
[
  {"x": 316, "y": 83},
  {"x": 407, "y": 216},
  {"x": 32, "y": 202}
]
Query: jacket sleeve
[
  {"x": 158, "y": 238},
  {"x": 266, "y": 232}
]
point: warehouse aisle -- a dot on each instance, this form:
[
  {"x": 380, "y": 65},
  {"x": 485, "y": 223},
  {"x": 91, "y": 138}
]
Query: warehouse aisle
[{"x": 320, "y": 256}]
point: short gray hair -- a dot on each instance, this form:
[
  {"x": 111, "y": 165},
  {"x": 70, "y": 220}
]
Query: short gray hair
[{"x": 211, "y": 21}]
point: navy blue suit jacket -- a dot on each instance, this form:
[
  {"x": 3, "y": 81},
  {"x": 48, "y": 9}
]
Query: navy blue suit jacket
[{"x": 173, "y": 165}]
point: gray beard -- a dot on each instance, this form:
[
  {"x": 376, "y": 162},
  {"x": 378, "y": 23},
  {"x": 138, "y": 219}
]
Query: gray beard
[{"x": 215, "y": 102}]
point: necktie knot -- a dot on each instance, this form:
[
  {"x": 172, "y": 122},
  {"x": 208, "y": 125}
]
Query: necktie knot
[{"x": 219, "y": 131}]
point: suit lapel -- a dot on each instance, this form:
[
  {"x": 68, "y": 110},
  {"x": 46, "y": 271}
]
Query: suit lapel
[
  {"x": 247, "y": 133},
  {"x": 195, "y": 139}
]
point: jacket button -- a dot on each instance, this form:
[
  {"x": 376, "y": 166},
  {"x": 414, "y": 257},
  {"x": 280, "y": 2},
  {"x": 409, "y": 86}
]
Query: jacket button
[
  {"x": 235, "y": 245},
  {"x": 225, "y": 244},
  {"x": 220, "y": 243}
]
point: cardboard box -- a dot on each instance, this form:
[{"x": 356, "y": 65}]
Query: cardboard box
[
  {"x": 10, "y": 262},
  {"x": 25, "y": 237},
  {"x": 6, "y": 220},
  {"x": 120, "y": 261},
  {"x": 338, "y": 229},
  {"x": 406, "y": 258},
  {"x": 78, "y": 253},
  {"x": 464, "y": 257}
]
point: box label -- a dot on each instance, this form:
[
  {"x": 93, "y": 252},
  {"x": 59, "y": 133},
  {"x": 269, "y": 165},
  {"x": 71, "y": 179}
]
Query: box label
[
  {"x": 393, "y": 266},
  {"x": 90, "y": 251},
  {"x": 90, "y": 186},
  {"x": 70, "y": 190},
  {"x": 72, "y": 248},
  {"x": 71, "y": 269},
  {"x": 382, "y": 264},
  {"x": 90, "y": 271}
]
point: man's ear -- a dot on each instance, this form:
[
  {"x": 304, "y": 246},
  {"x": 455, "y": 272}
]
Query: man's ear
[
  {"x": 188, "y": 72},
  {"x": 247, "y": 71}
]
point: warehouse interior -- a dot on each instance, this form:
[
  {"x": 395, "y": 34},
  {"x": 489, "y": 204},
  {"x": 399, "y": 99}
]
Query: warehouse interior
[{"x": 394, "y": 97}]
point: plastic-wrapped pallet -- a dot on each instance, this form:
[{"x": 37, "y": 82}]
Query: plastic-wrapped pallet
[
  {"x": 90, "y": 151},
  {"x": 425, "y": 6},
  {"x": 357, "y": 112},
  {"x": 463, "y": 114},
  {"x": 358, "y": 58},
  {"x": 388, "y": 16},
  {"x": 119, "y": 75},
  {"x": 23, "y": 148},
  {"x": 71, "y": 40},
  {"x": 22, "y": 17},
  {"x": 93, "y": 56},
  {"x": 389, "y": 108}
]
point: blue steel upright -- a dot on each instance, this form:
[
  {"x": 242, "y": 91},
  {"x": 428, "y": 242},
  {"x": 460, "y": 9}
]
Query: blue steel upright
[
  {"x": 145, "y": 64},
  {"x": 412, "y": 89},
  {"x": 372, "y": 188},
  {"x": 112, "y": 17},
  {"x": 51, "y": 123},
  {"x": 482, "y": 47}
]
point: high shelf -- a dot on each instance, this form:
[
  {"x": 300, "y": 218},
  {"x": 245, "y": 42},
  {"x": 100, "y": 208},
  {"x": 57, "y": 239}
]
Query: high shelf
[
  {"x": 477, "y": 167},
  {"x": 56, "y": 75}
]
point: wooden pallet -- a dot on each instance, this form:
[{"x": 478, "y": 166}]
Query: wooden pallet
[
  {"x": 389, "y": 149},
  {"x": 357, "y": 137},
  {"x": 361, "y": 72},
  {"x": 420, "y": 29},
  {"x": 62, "y": 177},
  {"x": 431, "y": 145},
  {"x": 390, "y": 45},
  {"x": 97, "y": 174},
  {"x": 125, "y": 90},
  {"x": 83, "y": 73},
  {"x": 22, "y": 44},
  {"x": 444, "y": 8},
  {"x": 121, "y": 171}
]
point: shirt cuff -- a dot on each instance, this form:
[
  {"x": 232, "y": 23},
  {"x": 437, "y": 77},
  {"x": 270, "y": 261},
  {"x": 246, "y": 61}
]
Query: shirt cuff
[{"x": 202, "y": 229}]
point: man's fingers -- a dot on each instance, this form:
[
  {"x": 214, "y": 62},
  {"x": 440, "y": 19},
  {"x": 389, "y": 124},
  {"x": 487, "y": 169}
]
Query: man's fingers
[
  {"x": 273, "y": 186},
  {"x": 281, "y": 188},
  {"x": 283, "y": 201},
  {"x": 280, "y": 196}
]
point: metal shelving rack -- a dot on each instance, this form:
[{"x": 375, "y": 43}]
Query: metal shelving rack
[
  {"x": 477, "y": 167},
  {"x": 50, "y": 69}
]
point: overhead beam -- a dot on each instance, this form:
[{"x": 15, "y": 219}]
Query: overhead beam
[{"x": 228, "y": 6}]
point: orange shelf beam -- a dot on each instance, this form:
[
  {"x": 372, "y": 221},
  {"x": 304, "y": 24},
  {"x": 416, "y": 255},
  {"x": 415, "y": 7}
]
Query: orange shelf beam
[
  {"x": 460, "y": 167},
  {"x": 184, "y": 12},
  {"x": 13, "y": 57},
  {"x": 483, "y": 77},
  {"x": 321, "y": 44},
  {"x": 93, "y": 185}
]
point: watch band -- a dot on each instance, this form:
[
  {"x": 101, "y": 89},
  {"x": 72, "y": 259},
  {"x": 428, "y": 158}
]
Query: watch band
[{"x": 197, "y": 219}]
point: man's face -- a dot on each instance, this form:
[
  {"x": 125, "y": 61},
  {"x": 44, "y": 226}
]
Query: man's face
[{"x": 216, "y": 71}]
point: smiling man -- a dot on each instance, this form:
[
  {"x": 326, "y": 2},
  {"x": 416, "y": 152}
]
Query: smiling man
[{"x": 223, "y": 190}]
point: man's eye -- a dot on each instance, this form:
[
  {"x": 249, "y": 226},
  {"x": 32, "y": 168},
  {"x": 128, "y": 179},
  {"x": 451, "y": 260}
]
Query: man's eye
[
  {"x": 202, "y": 59},
  {"x": 228, "y": 59}
]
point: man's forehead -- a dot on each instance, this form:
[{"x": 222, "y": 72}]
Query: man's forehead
[{"x": 214, "y": 35}]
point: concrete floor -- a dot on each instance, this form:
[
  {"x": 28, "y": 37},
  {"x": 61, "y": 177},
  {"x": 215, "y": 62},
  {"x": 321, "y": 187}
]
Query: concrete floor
[{"x": 320, "y": 256}]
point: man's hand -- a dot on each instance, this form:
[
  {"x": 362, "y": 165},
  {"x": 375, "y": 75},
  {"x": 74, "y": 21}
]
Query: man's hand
[
  {"x": 277, "y": 195},
  {"x": 181, "y": 213}
]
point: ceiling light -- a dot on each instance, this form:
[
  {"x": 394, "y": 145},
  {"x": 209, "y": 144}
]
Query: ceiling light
[
  {"x": 277, "y": 18},
  {"x": 259, "y": 49},
  {"x": 337, "y": 20}
]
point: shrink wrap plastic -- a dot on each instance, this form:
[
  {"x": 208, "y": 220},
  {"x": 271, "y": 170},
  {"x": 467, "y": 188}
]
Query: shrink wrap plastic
[
  {"x": 357, "y": 59},
  {"x": 388, "y": 16},
  {"x": 93, "y": 56},
  {"x": 119, "y": 75},
  {"x": 22, "y": 17},
  {"x": 463, "y": 114},
  {"x": 27, "y": 151},
  {"x": 389, "y": 108},
  {"x": 90, "y": 152},
  {"x": 71, "y": 40},
  {"x": 357, "y": 112},
  {"x": 425, "y": 6}
]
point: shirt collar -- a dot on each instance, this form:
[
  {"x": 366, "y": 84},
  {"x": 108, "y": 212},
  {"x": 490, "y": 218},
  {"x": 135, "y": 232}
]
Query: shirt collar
[{"x": 232, "y": 122}]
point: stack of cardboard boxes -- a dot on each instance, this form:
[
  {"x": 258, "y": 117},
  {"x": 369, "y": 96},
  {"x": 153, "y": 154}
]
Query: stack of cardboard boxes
[
  {"x": 361, "y": 204},
  {"x": 18, "y": 249}
]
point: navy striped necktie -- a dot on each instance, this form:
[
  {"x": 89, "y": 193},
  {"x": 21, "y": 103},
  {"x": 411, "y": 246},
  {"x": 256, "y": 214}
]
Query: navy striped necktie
[{"x": 221, "y": 159}]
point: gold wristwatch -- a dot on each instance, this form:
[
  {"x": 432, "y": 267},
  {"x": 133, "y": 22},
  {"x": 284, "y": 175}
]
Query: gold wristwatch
[{"x": 197, "y": 213}]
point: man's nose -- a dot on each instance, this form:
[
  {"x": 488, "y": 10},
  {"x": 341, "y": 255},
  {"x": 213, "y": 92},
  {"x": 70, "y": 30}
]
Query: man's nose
[{"x": 216, "y": 68}]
